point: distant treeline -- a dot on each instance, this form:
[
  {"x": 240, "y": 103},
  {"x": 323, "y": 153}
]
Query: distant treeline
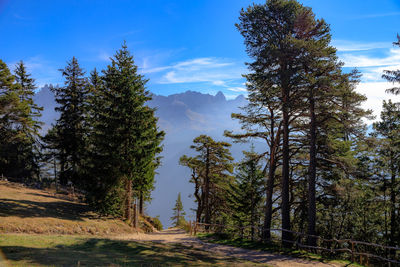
[
  {"x": 320, "y": 173},
  {"x": 105, "y": 142}
]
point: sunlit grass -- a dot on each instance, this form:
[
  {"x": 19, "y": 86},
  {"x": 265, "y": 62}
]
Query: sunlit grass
[{"x": 67, "y": 250}]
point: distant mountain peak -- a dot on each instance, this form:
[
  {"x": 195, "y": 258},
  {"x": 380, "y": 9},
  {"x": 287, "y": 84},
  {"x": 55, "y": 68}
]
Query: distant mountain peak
[
  {"x": 220, "y": 96},
  {"x": 240, "y": 98}
]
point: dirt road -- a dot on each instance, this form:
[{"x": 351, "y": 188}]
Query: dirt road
[{"x": 179, "y": 236}]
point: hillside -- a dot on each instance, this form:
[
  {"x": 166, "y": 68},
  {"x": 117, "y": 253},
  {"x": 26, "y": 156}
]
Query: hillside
[
  {"x": 40, "y": 228},
  {"x": 33, "y": 211}
]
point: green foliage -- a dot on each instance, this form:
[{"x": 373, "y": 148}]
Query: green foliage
[
  {"x": 157, "y": 223},
  {"x": 124, "y": 138},
  {"x": 245, "y": 196},
  {"x": 179, "y": 213},
  {"x": 19, "y": 125},
  {"x": 70, "y": 128},
  {"x": 211, "y": 169}
]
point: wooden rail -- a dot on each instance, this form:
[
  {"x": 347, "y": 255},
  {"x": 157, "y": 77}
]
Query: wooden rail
[{"x": 336, "y": 245}]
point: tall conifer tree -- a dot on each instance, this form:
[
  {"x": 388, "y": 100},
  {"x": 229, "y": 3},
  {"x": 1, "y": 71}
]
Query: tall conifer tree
[
  {"x": 70, "y": 127},
  {"x": 125, "y": 136}
]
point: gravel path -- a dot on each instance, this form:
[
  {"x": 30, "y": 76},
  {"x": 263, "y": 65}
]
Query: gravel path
[{"x": 174, "y": 235}]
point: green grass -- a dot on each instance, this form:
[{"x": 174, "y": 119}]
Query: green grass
[
  {"x": 67, "y": 250},
  {"x": 271, "y": 247}
]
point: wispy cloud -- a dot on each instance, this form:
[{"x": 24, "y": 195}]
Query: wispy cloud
[
  {"x": 237, "y": 89},
  {"x": 347, "y": 46},
  {"x": 207, "y": 69},
  {"x": 372, "y": 66},
  {"x": 362, "y": 61}
]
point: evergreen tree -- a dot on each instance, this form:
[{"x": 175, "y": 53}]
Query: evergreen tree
[
  {"x": 29, "y": 151},
  {"x": 388, "y": 131},
  {"x": 262, "y": 120},
  {"x": 125, "y": 139},
  {"x": 246, "y": 193},
  {"x": 211, "y": 170},
  {"x": 70, "y": 127},
  {"x": 19, "y": 124},
  {"x": 271, "y": 32},
  {"x": 179, "y": 213},
  {"x": 297, "y": 71}
]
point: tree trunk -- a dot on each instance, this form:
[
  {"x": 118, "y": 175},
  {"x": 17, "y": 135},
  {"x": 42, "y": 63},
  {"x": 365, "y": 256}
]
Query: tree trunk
[
  {"x": 198, "y": 198},
  {"x": 141, "y": 203},
  {"x": 266, "y": 234},
  {"x": 128, "y": 203},
  {"x": 285, "y": 172},
  {"x": 268, "y": 203},
  {"x": 135, "y": 216},
  {"x": 63, "y": 177},
  {"x": 393, "y": 223},
  {"x": 55, "y": 172},
  {"x": 207, "y": 218},
  {"x": 312, "y": 174}
]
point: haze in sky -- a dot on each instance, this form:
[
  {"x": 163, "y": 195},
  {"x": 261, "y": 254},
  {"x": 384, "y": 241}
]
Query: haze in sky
[{"x": 185, "y": 45}]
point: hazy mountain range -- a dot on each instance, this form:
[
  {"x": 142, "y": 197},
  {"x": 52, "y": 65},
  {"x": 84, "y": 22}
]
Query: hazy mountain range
[{"x": 183, "y": 117}]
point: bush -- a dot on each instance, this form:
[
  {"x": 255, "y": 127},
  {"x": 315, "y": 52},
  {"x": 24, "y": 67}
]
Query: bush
[
  {"x": 157, "y": 223},
  {"x": 182, "y": 222}
]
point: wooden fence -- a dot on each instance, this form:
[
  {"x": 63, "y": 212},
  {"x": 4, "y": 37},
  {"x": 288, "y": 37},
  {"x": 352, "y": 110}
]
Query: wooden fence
[{"x": 358, "y": 251}]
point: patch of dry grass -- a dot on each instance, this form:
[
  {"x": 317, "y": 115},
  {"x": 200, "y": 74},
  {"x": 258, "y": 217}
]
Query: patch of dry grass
[{"x": 26, "y": 210}]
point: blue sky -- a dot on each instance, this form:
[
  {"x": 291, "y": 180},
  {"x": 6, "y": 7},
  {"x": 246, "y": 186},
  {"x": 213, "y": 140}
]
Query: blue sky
[{"x": 187, "y": 44}]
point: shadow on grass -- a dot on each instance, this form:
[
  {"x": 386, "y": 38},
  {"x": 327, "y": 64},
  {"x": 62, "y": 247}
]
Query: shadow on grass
[
  {"x": 105, "y": 252},
  {"x": 271, "y": 247},
  {"x": 35, "y": 209}
]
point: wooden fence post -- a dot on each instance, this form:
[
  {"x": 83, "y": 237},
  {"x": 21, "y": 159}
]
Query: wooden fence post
[{"x": 352, "y": 251}]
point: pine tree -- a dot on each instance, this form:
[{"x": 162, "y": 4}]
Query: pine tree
[
  {"x": 19, "y": 124},
  {"x": 262, "y": 120},
  {"x": 10, "y": 115},
  {"x": 29, "y": 150},
  {"x": 246, "y": 193},
  {"x": 70, "y": 127},
  {"x": 211, "y": 170},
  {"x": 124, "y": 165},
  {"x": 179, "y": 213},
  {"x": 274, "y": 35},
  {"x": 388, "y": 131}
]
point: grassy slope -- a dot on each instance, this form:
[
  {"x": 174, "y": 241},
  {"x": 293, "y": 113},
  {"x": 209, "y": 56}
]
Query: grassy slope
[
  {"x": 39, "y": 228},
  {"x": 25, "y": 210}
]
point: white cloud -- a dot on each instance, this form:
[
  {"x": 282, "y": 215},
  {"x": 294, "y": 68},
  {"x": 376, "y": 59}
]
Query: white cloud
[
  {"x": 362, "y": 61},
  {"x": 237, "y": 89},
  {"x": 370, "y": 63},
  {"x": 375, "y": 92},
  {"x": 219, "y": 83},
  {"x": 208, "y": 69},
  {"x": 346, "y": 46}
]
